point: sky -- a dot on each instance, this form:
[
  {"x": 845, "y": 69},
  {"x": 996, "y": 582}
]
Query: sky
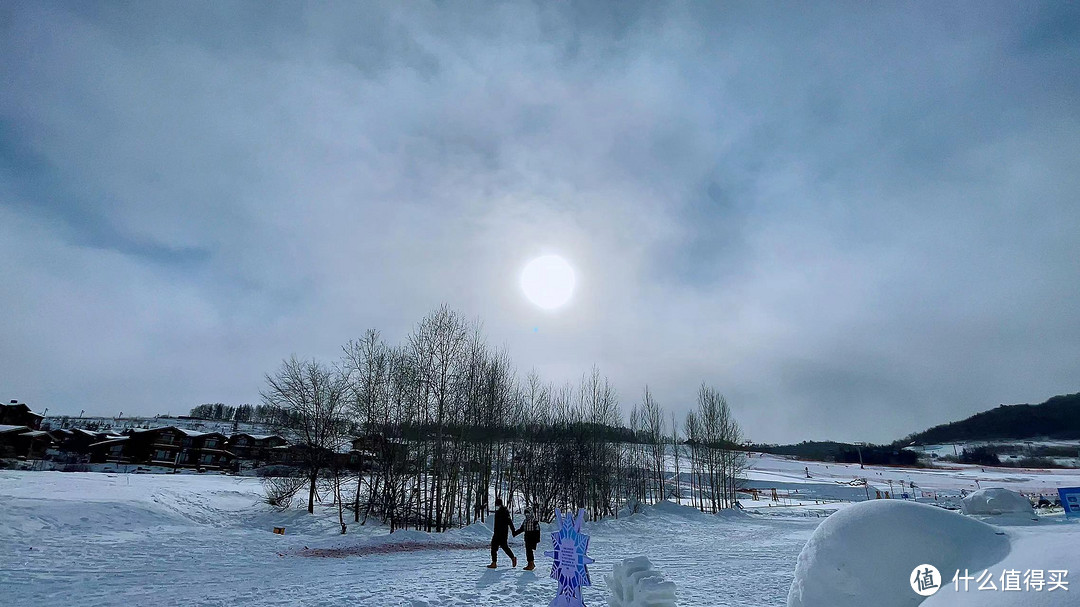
[{"x": 855, "y": 220}]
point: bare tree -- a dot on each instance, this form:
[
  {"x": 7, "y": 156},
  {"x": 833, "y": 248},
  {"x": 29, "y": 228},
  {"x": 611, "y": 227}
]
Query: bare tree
[
  {"x": 311, "y": 399},
  {"x": 438, "y": 346},
  {"x": 715, "y": 452},
  {"x": 280, "y": 490},
  {"x": 367, "y": 366},
  {"x": 676, "y": 449},
  {"x": 652, "y": 419}
]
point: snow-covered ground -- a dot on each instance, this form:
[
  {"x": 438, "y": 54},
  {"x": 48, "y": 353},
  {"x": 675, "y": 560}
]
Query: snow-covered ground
[
  {"x": 944, "y": 482},
  {"x": 113, "y": 539},
  {"x": 1011, "y": 449}
]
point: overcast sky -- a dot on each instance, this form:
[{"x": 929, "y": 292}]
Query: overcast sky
[{"x": 856, "y": 220}]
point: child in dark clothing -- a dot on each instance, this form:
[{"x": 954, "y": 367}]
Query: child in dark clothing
[{"x": 531, "y": 527}]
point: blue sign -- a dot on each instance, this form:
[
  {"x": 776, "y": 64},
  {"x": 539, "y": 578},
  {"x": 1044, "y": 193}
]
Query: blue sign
[
  {"x": 570, "y": 566},
  {"x": 1070, "y": 500}
]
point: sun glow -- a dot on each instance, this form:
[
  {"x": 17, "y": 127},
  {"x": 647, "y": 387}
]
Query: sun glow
[{"x": 548, "y": 281}]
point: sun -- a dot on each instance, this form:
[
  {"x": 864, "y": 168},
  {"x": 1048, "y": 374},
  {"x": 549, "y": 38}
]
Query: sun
[{"x": 548, "y": 281}]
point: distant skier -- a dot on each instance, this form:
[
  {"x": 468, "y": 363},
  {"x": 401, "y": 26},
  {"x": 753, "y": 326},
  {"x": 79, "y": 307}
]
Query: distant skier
[
  {"x": 503, "y": 525},
  {"x": 531, "y": 527}
]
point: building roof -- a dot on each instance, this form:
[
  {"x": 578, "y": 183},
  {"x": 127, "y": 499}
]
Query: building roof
[
  {"x": 255, "y": 436},
  {"x": 90, "y": 433},
  {"x": 111, "y": 441},
  {"x": 184, "y": 431},
  {"x": 25, "y": 407},
  {"x": 15, "y": 429}
]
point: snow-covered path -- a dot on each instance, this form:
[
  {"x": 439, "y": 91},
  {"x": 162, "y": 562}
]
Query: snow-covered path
[{"x": 205, "y": 540}]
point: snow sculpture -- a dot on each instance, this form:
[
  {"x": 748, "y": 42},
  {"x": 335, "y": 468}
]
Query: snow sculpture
[
  {"x": 570, "y": 567},
  {"x": 864, "y": 554},
  {"x": 989, "y": 502},
  {"x": 634, "y": 583}
]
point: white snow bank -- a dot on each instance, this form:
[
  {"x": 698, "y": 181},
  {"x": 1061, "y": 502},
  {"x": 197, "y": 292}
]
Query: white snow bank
[
  {"x": 634, "y": 583},
  {"x": 986, "y": 502},
  {"x": 668, "y": 507},
  {"x": 26, "y": 517},
  {"x": 476, "y": 530},
  {"x": 86, "y": 502},
  {"x": 1048, "y": 548},
  {"x": 865, "y": 553}
]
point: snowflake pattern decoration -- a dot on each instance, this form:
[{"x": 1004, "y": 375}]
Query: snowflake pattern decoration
[{"x": 571, "y": 563}]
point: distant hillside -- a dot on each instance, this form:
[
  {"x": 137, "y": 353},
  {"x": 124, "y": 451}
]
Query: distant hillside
[
  {"x": 830, "y": 451},
  {"x": 1058, "y": 418},
  {"x": 812, "y": 450}
]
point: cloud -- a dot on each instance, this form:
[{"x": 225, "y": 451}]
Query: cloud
[{"x": 855, "y": 221}]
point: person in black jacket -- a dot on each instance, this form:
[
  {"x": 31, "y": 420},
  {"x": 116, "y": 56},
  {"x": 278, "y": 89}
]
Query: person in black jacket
[
  {"x": 531, "y": 527},
  {"x": 502, "y": 527}
]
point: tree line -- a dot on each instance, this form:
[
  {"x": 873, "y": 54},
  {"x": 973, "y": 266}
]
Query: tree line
[
  {"x": 1057, "y": 418},
  {"x": 444, "y": 421},
  {"x": 257, "y": 414}
]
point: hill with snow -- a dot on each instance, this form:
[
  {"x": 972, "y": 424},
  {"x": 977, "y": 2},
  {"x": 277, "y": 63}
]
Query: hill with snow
[{"x": 1057, "y": 418}]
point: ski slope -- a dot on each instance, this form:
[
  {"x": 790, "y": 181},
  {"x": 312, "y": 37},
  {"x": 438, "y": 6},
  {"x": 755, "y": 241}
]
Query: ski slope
[{"x": 830, "y": 480}]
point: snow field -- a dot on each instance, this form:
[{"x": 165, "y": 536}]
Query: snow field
[
  {"x": 188, "y": 539},
  {"x": 829, "y": 487},
  {"x": 206, "y": 540}
]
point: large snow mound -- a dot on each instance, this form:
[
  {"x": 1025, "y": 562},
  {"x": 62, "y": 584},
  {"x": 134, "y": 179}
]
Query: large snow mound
[
  {"x": 996, "y": 501},
  {"x": 634, "y": 583},
  {"x": 865, "y": 553}
]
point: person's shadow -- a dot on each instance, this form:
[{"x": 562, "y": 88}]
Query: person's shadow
[
  {"x": 525, "y": 579},
  {"x": 490, "y": 577}
]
